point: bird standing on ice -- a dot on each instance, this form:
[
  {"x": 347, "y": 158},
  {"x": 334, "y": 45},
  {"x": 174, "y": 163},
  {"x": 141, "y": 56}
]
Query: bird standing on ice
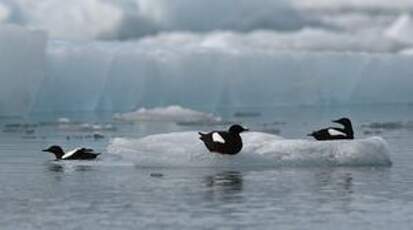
[
  {"x": 75, "y": 154},
  {"x": 333, "y": 133},
  {"x": 224, "y": 142}
]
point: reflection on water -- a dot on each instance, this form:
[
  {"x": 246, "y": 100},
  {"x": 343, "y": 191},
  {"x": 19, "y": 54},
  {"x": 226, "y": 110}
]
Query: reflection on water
[
  {"x": 225, "y": 186},
  {"x": 331, "y": 179},
  {"x": 55, "y": 168},
  {"x": 228, "y": 181},
  {"x": 62, "y": 167}
]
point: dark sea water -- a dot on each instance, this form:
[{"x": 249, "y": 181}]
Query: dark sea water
[{"x": 39, "y": 193}]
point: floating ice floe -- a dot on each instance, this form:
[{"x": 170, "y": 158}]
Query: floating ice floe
[
  {"x": 74, "y": 126},
  {"x": 184, "y": 149},
  {"x": 63, "y": 120},
  {"x": 172, "y": 113},
  {"x": 97, "y": 127}
]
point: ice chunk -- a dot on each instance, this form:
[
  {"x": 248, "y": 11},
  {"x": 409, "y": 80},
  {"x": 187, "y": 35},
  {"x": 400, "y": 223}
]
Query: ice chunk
[
  {"x": 63, "y": 120},
  {"x": 97, "y": 127},
  {"x": 22, "y": 68},
  {"x": 184, "y": 149},
  {"x": 173, "y": 113}
]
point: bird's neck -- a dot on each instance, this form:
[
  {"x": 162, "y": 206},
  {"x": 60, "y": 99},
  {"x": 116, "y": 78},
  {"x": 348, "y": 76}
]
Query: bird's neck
[
  {"x": 59, "y": 154},
  {"x": 348, "y": 129}
]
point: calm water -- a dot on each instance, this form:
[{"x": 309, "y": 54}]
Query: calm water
[{"x": 38, "y": 193}]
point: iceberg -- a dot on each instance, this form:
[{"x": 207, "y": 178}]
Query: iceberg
[
  {"x": 184, "y": 149},
  {"x": 22, "y": 68},
  {"x": 173, "y": 113},
  {"x": 203, "y": 72},
  {"x": 214, "y": 70}
]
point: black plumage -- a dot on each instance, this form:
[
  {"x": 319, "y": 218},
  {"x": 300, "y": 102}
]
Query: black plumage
[
  {"x": 224, "y": 142},
  {"x": 334, "y": 133},
  {"x": 76, "y": 154}
]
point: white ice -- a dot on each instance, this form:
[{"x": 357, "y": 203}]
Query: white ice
[
  {"x": 206, "y": 71},
  {"x": 184, "y": 149},
  {"x": 201, "y": 72},
  {"x": 173, "y": 113}
]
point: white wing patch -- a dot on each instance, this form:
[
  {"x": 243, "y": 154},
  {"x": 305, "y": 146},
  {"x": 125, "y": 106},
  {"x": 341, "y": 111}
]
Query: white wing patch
[
  {"x": 334, "y": 132},
  {"x": 70, "y": 153},
  {"x": 217, "y": 138}
]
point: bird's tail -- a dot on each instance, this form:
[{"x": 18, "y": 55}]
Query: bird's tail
[
  {"x": 310, "y": 134},
  {"x": 202, "y": 135}
]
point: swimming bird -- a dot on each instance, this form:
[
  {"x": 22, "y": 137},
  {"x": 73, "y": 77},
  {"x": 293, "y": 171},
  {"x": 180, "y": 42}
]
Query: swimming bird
[
  {"x": 224, "y": 142},
  {"x": 75, "y": 154},
  {"x": 333, "y": 133}
]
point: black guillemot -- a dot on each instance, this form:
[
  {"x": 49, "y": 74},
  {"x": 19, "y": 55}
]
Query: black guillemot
[
  {"x": 224, "y": 142},
  {"x": 333, "y": 133},
  {"x": 75, "y": 154}
]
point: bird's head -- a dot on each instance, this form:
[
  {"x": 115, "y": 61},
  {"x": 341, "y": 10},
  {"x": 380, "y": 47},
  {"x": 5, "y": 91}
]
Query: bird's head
[
  {"x": 343, "y": 121},
  {"x": 237, "y": 129},
  {"x": 56, "y": 150}
]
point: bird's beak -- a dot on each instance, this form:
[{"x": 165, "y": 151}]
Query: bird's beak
[
  {"x": 45, "y": 150},
  {"x": 246, "y": 129},
  {"x": 335, "y": 121}
]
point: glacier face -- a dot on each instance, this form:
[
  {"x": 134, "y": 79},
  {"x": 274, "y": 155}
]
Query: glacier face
[
  {"x": 200, "y": 71},
  {"x": 207, "y": 73},
  {"x": 22, "y": 68}
]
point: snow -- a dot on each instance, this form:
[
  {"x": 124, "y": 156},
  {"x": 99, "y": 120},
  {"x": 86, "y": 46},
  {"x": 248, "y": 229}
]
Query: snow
[{"x": 184, "y": 149}]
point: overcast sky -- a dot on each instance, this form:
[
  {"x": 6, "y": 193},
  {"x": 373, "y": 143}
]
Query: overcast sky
[{"x": 124, "y": 19}]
